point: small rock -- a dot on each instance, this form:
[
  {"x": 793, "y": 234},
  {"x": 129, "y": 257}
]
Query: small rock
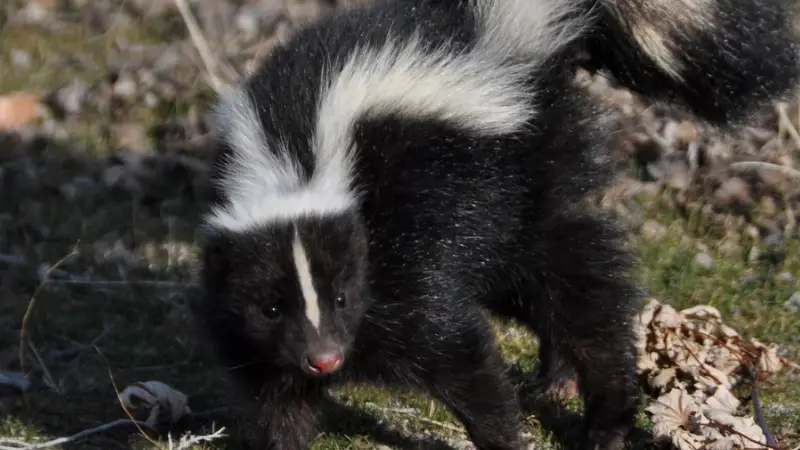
[
  {"x": 461, "y": 444},
  {"x": 652, "y": 230},
  {"x": 119, "y": 253},
  {"x": 719, "y": 150},
  {"x": 733, "y": 191},
  {"x": 752, "y": 231},
  {"x": 72, "y": 97},
  {"x": 77, "y": 188},
  {"x": 20, "y": 59},
  {"x": 621, "y": 99},
  {"x": 793, "y": 304},
  {"x": 784, "y": 277},
  {"x": 131, "y": 136},
  {"x": 748, "y": 275},
  {"x": 247, "y": 22},
  {"x": 113, "y": 175},
  {"x": 768, "y": 205},
  {"x": 754, "y": 254},
  {"x": 703, "y": 260},
  {"x": 152, "y": 8},
  {"x": 773, "y": 239},
  {"x": 37, "y": 11},
  {"x": 125, "y": 87},
  {"x": 729, "y": 247},
  {"x": 679, "y": 177},
  {"x": 146, "y": 78},
  {"x": 167, "y": 61},
  {"x": 150, "y": 100},
  {"x": 283, "y": 31},
  {"x": 16, "y": 380},
  {"x": 55, "y": 128},
  {"x": 685, "y": 133},
  {"x": 305, "y": 11},
  {"x": 167, "y": 91}
]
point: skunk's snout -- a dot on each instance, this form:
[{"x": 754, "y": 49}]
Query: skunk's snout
[{"x": 324, "y": 361}]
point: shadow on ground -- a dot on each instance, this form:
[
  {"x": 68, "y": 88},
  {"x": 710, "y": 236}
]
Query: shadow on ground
[{"x": 120, "y": 311}]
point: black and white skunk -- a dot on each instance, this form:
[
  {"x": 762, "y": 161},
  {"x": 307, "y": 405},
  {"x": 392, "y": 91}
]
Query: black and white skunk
[{"x": 400, "y": 170}]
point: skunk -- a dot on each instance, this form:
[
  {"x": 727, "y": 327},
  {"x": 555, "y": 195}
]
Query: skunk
[{"x": 400, "y": 171}]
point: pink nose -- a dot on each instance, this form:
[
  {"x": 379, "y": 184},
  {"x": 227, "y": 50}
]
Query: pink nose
[{"x": 325, "y": 362}]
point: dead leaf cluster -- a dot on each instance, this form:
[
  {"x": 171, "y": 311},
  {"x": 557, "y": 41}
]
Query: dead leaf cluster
[{"x": 690, "y": 361}]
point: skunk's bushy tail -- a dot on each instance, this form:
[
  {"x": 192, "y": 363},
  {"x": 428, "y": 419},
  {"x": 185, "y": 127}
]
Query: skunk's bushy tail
[{"x": 723, "y": 59}]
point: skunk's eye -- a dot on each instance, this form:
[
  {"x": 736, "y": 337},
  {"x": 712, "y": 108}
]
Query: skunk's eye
[
  {"x": 340, "y": 301},
  {"x": 271, "y": 311}
]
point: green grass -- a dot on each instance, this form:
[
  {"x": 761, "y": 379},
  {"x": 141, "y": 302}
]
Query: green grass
[{"x": 146, "y": 332}]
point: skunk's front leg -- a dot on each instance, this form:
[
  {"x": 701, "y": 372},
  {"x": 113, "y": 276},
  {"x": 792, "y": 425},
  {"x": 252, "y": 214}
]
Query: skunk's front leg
[
  {"x": 287, "y": 417},
  {"x": 465, "y": 371}
]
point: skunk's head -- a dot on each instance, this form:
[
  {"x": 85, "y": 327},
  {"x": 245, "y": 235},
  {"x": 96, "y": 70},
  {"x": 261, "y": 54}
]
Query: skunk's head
[{"x": 291, "y": 293}]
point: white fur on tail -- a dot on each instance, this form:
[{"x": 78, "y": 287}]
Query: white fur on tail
[{"x": 655, "y": 26}]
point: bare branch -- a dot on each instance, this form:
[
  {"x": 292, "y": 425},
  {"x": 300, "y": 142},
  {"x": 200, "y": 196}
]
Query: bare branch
[{"x": 759, "y": 415}]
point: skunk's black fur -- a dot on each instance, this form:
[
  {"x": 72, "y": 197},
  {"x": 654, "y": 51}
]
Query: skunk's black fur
[{"x": 399, "y": 171}]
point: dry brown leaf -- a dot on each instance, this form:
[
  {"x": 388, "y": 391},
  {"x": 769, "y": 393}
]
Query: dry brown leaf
[
  {"x": 743, "y": 425},
  {"x": 701, "y": 312},
  {"x": 699, "y": 359},
  {"x": 668, "y": 317},
  {"x": 673, "y": 410},
  {"x": 662, "y": 379},
  {"x": 18, "y": 109},
  {"x": 768, "y": 361},
  {"x": 723, "y": 400}
]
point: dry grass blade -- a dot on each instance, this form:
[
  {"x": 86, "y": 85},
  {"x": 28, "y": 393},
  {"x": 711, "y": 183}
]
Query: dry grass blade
[
  {"x": 200, "y": 43},
  {"x": 23, "y": 332},
  {"x": 119, "y": 399},
  {"x": 48, "y": 377},
  {"x": 122, "y": 283},
  {"x": 187, "y": 441},
  {"x": 437, "y": 423}
]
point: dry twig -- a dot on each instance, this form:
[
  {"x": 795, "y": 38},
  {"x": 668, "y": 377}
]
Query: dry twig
[
  {"x": 23, "y": 332},
  {"x": 5, "y": 444},
  {"x": 116, "y": 390},
  {"x": 201, "y": 45},
  {"x": 759, "y": 415}
]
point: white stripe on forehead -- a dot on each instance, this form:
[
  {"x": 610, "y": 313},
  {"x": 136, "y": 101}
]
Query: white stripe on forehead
[{"x": 306, "y": 281}]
